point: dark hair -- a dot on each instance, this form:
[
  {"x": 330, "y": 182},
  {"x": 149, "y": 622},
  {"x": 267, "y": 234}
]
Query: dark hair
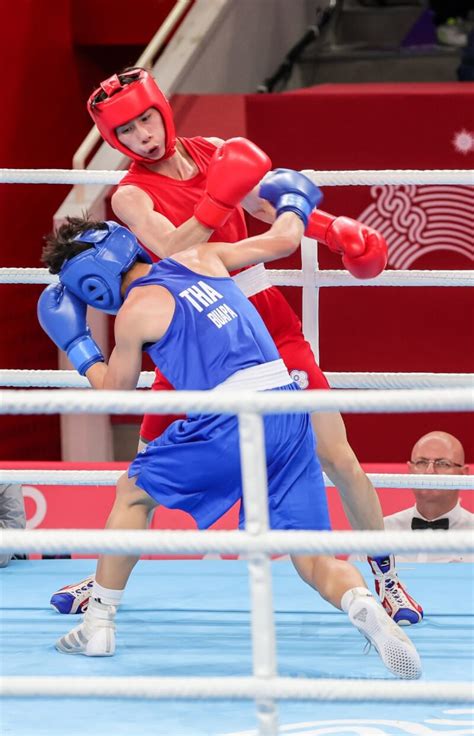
[
  {"x": 61, "y": 244},
  {"x": 126, "y": 76}
]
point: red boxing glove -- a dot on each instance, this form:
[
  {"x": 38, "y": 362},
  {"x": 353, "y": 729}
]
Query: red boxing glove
[
  {"x": 234, "y": 170},
  {"x": 364, "y": 251}
]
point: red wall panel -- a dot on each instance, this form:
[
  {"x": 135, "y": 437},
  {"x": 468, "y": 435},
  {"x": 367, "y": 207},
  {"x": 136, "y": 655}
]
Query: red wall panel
[
  {"x": 41, "y": 124},
  {"x": 381, "y": 329},
  {"x": 45, "y": 83}
]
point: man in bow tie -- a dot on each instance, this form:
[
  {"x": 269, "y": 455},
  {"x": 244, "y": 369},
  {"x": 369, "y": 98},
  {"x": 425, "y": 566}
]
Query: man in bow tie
[{"x": 436, "y": 453}]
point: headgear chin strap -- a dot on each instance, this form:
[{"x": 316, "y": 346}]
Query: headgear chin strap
[
  {"x": 95, "y": 275},
  {"x": 127, "y": 101}
]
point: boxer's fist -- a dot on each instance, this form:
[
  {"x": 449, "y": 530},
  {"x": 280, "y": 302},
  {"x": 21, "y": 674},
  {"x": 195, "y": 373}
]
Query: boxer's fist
[
  {"x": 290, "y": 191},
  {"x": 364, "y": 251},
  {"x": 234, "y": 170},
  {"x": 374, "y": 259},
  {"x": 63, "y": 317}
]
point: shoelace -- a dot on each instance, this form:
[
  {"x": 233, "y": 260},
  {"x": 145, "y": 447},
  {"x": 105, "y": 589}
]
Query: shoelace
[
  {"x": 394, "y": 590},
  {"x": 367, "y": 646},
  {"x": 85, "y": 589}
]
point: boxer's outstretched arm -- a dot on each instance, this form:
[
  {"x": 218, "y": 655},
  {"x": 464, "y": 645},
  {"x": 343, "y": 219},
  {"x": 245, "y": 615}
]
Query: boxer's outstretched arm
[
  {"x": 294, "y": 197},
  {"x": 235, "y": 168},
  {"x": 259, "y": 207},
  {"x": 280, "y": 241}
]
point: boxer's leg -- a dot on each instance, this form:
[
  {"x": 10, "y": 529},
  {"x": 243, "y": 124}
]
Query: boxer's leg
[
  {"x": 358, "y": 496},
  {"x": 130, "y": 511},
  {"x": 362, "y": 507},
  {"x": 74, "y": 598},
  {"x": 95, "y": 636},
  {"x": 342, "y": 585}
]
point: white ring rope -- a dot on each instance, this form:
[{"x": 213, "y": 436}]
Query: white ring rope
[
  {"x": 55, "y": 401},
  {"x": 289, "y": 277},
  {"x": 15, "y": 378},
  {"x": 236, "y": 688},
  {"x": 110, "y": 478},
  {"x": 331, "y": 278},
  {"x": 153, "y": 542},
  {"x": 391, "y": 177},
  {"x": 71, "y": 379},
  {"x": 321, "y": 178}
]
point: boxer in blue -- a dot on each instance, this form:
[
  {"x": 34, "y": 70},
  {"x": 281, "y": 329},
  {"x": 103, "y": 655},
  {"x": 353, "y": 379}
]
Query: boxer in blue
[{"x": 188, "y": 314}]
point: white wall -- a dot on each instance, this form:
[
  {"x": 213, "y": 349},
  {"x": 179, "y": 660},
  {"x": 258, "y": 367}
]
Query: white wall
[{"x": 247, "y": 43}]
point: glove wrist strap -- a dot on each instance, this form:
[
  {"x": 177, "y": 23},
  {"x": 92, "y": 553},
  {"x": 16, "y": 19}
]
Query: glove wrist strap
[
  {"x": 212, "y": 214},
  {"x": 318, "y": 226},
  {"x": 83, "y": 353},
  {"x": 294, "y": 203}
]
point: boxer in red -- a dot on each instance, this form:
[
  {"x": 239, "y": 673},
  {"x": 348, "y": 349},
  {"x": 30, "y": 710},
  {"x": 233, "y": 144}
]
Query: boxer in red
[{"x": 180, "y": 191}]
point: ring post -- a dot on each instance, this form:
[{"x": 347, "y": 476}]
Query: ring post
[
  {"x": 309, "y": 265},
  {"x": 255, "y": 492}
]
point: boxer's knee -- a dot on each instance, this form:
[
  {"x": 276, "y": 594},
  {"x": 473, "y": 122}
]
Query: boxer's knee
[{"x": 128, "y": 494}]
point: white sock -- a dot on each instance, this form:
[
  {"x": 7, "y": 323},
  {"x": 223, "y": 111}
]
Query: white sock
[
  {"x": 106, "y": 596},
  {"x": 351, "y": 595}
]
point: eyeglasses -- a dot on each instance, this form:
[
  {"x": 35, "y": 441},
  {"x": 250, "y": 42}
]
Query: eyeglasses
[{"x": 440, "y": 465}]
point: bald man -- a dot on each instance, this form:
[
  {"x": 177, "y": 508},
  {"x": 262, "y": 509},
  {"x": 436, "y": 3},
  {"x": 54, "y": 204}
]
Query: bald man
[{"x": 436, "y": 453}]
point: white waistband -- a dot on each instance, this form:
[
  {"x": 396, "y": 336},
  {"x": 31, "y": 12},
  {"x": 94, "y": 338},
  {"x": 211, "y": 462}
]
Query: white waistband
[
  {"x": 253, "y": 280},
  {"x": 258, "y": 377}
]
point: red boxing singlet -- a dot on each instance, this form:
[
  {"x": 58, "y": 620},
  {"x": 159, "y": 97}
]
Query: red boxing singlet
[{"x": 176, "y": 200}]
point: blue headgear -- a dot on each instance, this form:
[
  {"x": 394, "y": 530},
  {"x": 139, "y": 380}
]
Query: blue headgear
[{"x": 95, "y": 275}]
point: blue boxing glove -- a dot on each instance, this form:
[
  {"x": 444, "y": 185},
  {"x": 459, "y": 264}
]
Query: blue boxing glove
[
  {"x": 63, "y": 317},
  {"x": 290, "y": 191}
]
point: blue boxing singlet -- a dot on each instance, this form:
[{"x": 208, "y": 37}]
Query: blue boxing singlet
[
  {"x": 217, "y": 338},
  {"x": 215, "y": 331}
]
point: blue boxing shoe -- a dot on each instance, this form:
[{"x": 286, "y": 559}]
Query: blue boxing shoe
[
  {"x": 73, "y": 598},
  {"x": 400, "y": 606}
]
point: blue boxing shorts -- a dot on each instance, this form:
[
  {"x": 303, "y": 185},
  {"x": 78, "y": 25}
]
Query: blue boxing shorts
[{"x": 195, "y": 466}]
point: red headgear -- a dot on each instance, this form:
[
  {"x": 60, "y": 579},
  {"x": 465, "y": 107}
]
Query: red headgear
[{"x": 127, "y": 101}]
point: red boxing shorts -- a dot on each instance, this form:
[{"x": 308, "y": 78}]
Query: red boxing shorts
[{"x": 294, "y": 350}]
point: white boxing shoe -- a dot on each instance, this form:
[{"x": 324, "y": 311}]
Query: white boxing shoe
[
  {"x": 95, "y": 636},
  {"x": 396, "y": 650}
]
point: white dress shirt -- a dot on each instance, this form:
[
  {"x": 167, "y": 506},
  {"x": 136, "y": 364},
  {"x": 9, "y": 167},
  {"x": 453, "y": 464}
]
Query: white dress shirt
[{"x": 459, "y": 519}]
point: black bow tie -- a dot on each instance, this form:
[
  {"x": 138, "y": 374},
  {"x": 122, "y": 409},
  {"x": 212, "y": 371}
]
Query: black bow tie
[{"x": 417, "y": 523}]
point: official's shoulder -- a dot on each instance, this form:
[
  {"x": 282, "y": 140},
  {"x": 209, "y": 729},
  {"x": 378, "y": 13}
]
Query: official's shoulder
[{"x": 392, "y": 520}]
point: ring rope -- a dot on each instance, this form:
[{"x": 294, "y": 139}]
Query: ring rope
[
  {"x": 110, "y": 477},
  {"x": 53, "y": 401},
  {"x": 236, "y": 688},
  {"x": 292, "y": 277},
  {"x": 331, "y": 278},
  {"x": 152, "y": 542},
  {"x": 322, "y": 178},
  {"x": 14, "y": 378}
]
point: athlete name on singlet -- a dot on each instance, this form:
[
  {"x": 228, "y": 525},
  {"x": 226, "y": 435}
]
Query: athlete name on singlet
[{"x": 201, "y": 296}]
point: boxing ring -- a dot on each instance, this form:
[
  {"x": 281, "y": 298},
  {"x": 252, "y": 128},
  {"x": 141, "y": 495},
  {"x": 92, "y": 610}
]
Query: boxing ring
[{"x": 197, "y": 650}]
